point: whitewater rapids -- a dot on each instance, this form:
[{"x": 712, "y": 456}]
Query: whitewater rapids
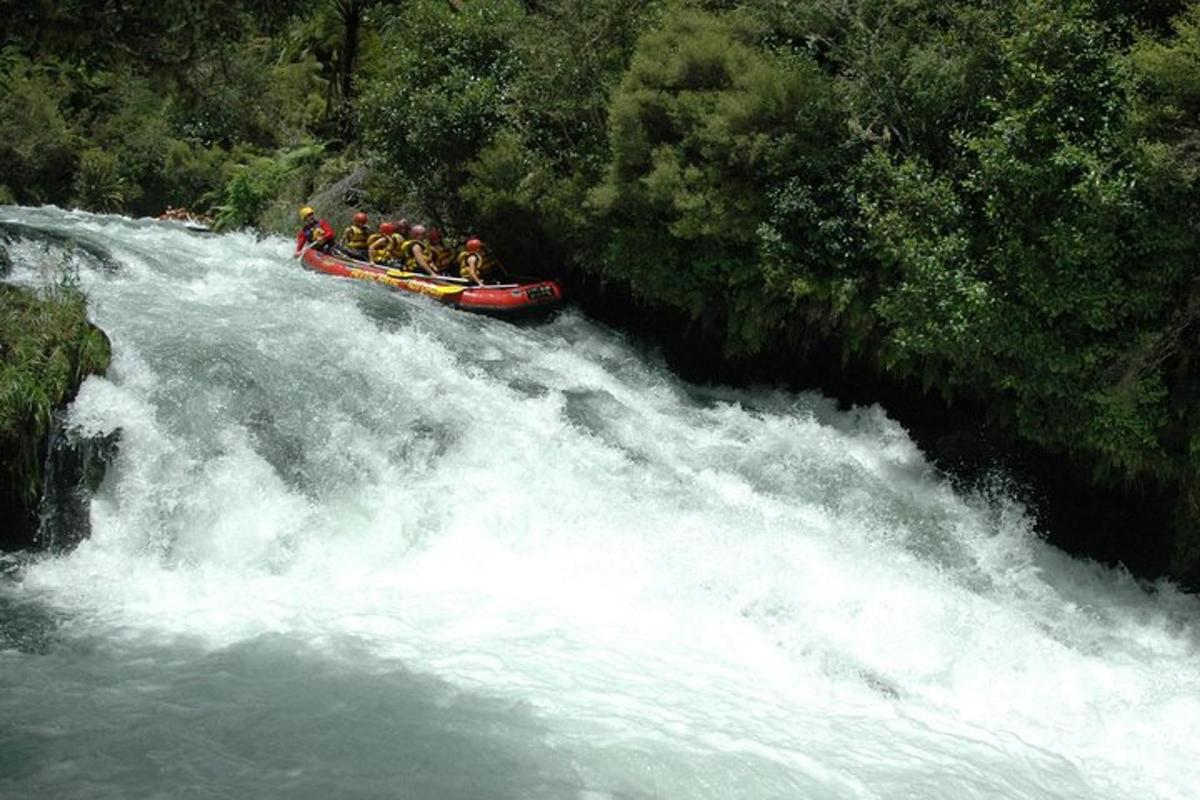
[{"x": 355, "y": 544}]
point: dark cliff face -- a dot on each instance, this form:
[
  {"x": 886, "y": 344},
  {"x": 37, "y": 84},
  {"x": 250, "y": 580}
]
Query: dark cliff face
[
  {"x": 74, "y": 467},
  {"x": 1136, "y": 527},
  {"x": 52, "y": 513}
]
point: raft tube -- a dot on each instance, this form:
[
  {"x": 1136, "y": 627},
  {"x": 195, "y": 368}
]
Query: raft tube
[{"x": 522, "y": 298}]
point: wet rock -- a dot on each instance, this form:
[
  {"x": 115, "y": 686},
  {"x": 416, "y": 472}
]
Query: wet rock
[
  {"x": 75, "y": 467},
  {"x": 46, "y": 474},
  {"x": 1185, "y": 550}
]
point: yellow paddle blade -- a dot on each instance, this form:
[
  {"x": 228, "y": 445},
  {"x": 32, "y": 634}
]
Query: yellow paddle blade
[
  {"x": 435, "y": 289},
  {"x": 442, "y": 291},
  {"x": 413, "y": 283}
]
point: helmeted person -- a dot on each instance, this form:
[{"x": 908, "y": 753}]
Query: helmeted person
[
  {"x": 416, "y": 253},
  {"x": 356, "y": 238},
  {"x": 471, "y": 263},
  {"x": 381, "y": 248},
  {"x": 398, "y": 239},
  {"x": 315, "y": 233},
  {"x": 443, "y": 258},
  {"x": 373, "y": 238},
  {"x": 396, "y": 234}
]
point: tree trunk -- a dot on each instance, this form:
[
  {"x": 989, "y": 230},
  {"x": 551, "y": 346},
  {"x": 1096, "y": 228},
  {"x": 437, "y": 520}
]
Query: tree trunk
[
  {"x": 352, "y": 13},
  {"x": 1185, "y": 550}
]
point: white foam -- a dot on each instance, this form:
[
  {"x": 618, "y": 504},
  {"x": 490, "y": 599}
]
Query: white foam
[{"x": 751, "y": 578}]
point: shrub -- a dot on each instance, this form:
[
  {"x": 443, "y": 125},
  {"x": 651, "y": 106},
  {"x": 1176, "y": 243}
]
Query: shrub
[
  {"x": 525, "y": 188},
  {"x": 98, "y": 183},
  {"x": 191, "y": 172},
  {"x": 704, "y": 127},
  {"x": 48, "y": 347},
  {"x": 253, "y": 185},
  {"x": 1036, "y": 269},
  {"x": 37, "y": 144},
  {"x": 442, "y": 97}
]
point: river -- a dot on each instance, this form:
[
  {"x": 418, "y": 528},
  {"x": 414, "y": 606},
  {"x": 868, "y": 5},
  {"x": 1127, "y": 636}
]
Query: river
[{"x": 358, "y": 545}]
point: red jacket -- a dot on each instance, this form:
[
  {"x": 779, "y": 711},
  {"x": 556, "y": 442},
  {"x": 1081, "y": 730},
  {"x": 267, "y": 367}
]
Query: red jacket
[{"x": 305, "y": 236}]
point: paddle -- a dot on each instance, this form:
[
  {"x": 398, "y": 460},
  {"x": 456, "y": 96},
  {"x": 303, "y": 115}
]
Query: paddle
[
  {"x": 400, "y": 273},
  {"x": 426, "y": 282},
  {"x": 466, "y": 283},
  {"x": 308, "y": 246},
  {"x": 443, "y": 291},
  {"x": 341, "y": 255}
]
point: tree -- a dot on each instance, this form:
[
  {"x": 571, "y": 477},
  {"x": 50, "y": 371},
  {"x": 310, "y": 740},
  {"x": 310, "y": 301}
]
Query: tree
[
  {"x": 442, "y": 98},
  {"x": 704, "y": 129},
  {"x": 351, "y": 13},
  {"x": 37, "y": 145},
  {"x": 1037, "y": 263}
]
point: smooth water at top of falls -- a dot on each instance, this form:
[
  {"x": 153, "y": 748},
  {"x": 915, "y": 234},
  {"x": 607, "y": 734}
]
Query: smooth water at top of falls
[{"x": 355, "y": 544}]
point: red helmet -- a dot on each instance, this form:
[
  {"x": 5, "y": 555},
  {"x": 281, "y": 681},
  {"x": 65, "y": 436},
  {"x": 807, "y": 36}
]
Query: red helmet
[
  {"x": 360, "y": 218},
  {"x": 387, "y": 228},
  {"x": 435, "y": 235},
  {"x": 417, "y": 232},
  {"x": 473, "y": 245}
]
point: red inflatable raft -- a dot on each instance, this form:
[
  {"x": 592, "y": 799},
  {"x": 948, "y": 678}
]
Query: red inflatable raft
[{"x": 506, "y": 300}]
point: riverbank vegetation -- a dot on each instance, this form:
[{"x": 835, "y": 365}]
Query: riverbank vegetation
[
  {"x": 47, "y": 348},
  {"x": 991, "y": 203}
]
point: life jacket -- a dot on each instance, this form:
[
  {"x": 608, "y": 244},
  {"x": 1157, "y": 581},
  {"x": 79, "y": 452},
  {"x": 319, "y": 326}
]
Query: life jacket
[
  {"x": 396, "y": 248},
  {"x": 380, "y": 248},
  {"x": 410, "y": 260},
  {"x": 441, "y": 257},
  {"x": 481, "y": 265},
  {"x": 356, "y": 238},
  {"x": 308, "y": 235}
]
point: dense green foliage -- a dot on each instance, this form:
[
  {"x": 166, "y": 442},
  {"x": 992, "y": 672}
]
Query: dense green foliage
[
  {"x": 135, "y": 109},
  {"x": 1042, "y": 237},
  {"x": 441, "y": 98},
  {"x": 992, "y": 201},
  {"x": 717, "y": 147}
]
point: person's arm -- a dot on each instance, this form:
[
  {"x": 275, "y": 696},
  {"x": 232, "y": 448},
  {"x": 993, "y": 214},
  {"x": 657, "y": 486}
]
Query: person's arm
[
  {"x": 301, "y": 240},
  {"x": 377, "y": 250},
  {"x": 472, "y": 273},
  {"x": 419, "y": 255}
]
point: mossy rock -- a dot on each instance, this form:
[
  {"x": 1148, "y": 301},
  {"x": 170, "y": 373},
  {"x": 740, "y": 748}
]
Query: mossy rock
[{"x": 47, "y": 348}]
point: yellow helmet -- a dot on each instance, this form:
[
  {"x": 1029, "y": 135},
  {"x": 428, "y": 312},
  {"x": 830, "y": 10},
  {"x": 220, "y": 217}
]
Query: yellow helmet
[{"x": 305, "y": 212}]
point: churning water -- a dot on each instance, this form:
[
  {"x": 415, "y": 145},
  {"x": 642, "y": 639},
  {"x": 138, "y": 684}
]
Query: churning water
[{"x": 357, "y": 545}]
